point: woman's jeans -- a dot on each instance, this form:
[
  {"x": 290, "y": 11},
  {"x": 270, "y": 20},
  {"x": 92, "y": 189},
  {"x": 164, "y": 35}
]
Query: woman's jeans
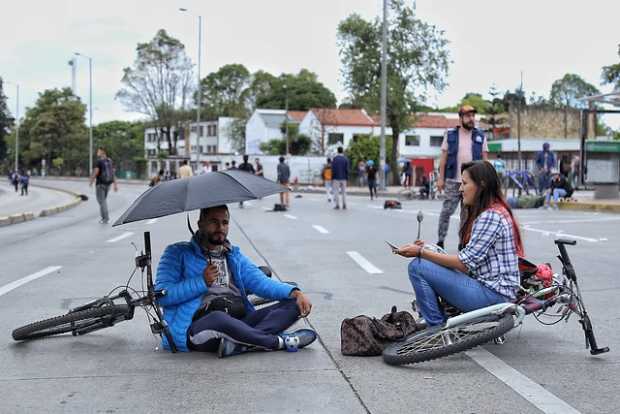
[
  {"x": 557, "y": 194},
  {"x": 456, "y": 288}
]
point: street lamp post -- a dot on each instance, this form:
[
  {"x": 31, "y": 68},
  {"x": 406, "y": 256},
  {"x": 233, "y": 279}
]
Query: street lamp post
[
  {"x": 199, "y": 87},
  {"x": 382, "y": 183},
  {"x": 286, "y": 118},
  {"x": 90, "y": 110},
  {"x": 16, "y": 124}
]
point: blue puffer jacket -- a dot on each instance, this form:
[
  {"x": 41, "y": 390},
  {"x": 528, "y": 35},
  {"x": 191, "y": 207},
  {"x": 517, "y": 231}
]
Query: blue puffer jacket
[{"x": 180, "y": 273}]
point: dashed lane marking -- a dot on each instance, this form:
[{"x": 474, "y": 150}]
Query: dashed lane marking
[
  {"x": 364, "y": 263},
  {"x": 528, "y": 389},
  {"x": 320, "y": 229},
  {"x": 17, "y": 283},
  {"x": 290, "y": 217},
  {"x": 121, "y": 237}
]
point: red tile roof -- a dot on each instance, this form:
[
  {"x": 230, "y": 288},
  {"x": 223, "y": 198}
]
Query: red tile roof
[
  {"x": 435, "y": 121},
  {"x": 343, "y": 117},
  {"x": 297, "y": 116}
]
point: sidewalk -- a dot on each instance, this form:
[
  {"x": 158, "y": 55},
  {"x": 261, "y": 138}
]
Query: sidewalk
[{"x": 40, "y": 202}]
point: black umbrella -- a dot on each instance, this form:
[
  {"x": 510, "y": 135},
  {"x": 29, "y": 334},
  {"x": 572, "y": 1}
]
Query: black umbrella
[{"x": 202, "y": 191}]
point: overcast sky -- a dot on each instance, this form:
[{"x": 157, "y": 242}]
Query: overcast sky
[{"x": 490, "y": 41}]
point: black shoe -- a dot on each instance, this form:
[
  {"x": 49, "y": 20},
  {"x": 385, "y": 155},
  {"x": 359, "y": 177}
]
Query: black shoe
[
  {"x": 440, "y": 244},
  {"x": 229, "y": 348},
  {"x": 337, "y": 208}
]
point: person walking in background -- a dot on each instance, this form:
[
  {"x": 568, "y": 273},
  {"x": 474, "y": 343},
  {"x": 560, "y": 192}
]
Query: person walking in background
[
  {"x": 157, "y": 179},
  {"x": 574, "y": 171},
  {"x": 545, "y": 162},
  {"x": 284, "y": 175},
  {"x": 408, "y": 174},
  {"x": 205, "y": 168},
  {"x": 185, "y": 171},
  {"x": 461, "y": 145},
  {"x": 371, "y": 178},
  {"x": 259, "y": 168},
  {"x": 227, "y": 166},
  {"x": 233, "y": 165},
  {"x": 15, "y": 180},
  {"x": 103, "y": 175},
  {"x": 340, "y": 175},
  {"x": 386, "y": 172},
  {"x": 248, "y": 168},
  {"x": 361, "y": 173},
  {"x": 24, "y": 180},
  {"x": 500, "y": 168},
  {"x": 326, "y": 174}
]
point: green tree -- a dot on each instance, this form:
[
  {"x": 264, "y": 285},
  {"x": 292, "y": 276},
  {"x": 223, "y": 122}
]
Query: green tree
[
  {"x": 159, "y": 84},
  {"x": 299, "y": 144},
  {"x": 6, "y": 124},
  {"x": 417, "y": 58},
  {"x": 367, "y": 148},
  {"x": 224, "y": 91},
  {"x": 54, "y": 129},
  {"x": 611, "y": 73},
  {"x": 124, "y": 143},
  {"x": 303, "y": 91},
  {"x": 566, "y": 92}
]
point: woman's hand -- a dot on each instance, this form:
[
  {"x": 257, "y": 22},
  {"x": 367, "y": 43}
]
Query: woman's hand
[{"x": 411, "y": 249}]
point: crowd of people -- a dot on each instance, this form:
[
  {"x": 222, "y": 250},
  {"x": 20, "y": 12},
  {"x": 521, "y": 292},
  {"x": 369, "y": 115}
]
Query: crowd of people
[{"x": 20, "y": 181}]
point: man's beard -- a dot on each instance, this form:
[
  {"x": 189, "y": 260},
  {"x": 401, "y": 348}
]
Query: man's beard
[
  {"x": 468, "y": 126},
  {"x": 210, "y": 238}
]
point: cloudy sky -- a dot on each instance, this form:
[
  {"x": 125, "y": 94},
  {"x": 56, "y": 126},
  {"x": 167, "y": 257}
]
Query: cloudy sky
[{"x": 491, "y": 42}]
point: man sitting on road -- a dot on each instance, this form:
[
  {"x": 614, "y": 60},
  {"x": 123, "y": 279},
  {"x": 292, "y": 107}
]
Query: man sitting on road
[{"x": 207, "y": 281}]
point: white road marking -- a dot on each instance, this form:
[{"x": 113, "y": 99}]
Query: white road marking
[
  {"x": 560, "y": 234},
  {"x": 152, "y": 221},
  {"x": 121, "y": 237},
  {"x": 267, "y": 209},
  {"x": 364, "y": 263},
  {"x": 575, "y": 221},
  {"x": 17, "y": 283},
  {"x": 290, "y": 217},
  {"x": 320, "y": 229},
  {"x": 528, "y": 389}
]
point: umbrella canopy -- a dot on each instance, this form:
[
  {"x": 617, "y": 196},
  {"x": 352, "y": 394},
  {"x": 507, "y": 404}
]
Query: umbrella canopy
[{"x": 201, "y": 191}]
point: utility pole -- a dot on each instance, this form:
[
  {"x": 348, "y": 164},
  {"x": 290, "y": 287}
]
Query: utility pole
[
  {"x": 519, "y": 122},
  {"x": 382, "y": 174},
  {"x": 90, "y": 111},
  {"x": 17, "y": 128},
  {"x": 286, "y": 118}
]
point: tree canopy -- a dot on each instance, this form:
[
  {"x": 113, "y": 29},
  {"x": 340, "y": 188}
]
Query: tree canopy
[
  {"x": 611, "y": 73},
  {"x": 567, "y": 91},
  {"x": 160, "y": 83},
  {"x": 303, "y": 91},
  {"x": 54, "y": 130},
  {"x": 417, "y": 57},
  {"x": 124, "y": 144},
  {"x": 224, "y": 91},
  {"x": 6, "y": 123}
]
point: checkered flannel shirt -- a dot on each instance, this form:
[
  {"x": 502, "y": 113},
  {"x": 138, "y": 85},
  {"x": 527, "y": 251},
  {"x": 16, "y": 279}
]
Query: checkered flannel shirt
[{"x": 490, "y": 256}]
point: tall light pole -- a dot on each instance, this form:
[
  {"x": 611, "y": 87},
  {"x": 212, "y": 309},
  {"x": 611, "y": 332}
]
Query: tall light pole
[
  {"x": 286, "y": 117},
  {"x": 16, "y": 124},
  {"x": 90, "y": 111},
  {"x": 383, "y": 97},
  {"x": 198, "y": 106}
]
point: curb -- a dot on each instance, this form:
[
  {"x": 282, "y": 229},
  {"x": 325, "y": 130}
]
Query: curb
[
  {"x": 588, "y": 206},
  {"x": 28, "y": 216}
]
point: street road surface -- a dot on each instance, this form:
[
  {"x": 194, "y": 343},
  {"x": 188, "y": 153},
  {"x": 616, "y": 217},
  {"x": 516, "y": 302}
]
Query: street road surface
[{"x": 341, "y": 260}]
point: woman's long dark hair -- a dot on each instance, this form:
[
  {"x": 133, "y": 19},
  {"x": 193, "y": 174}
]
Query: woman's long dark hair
[{"x": 489, "y": 192}]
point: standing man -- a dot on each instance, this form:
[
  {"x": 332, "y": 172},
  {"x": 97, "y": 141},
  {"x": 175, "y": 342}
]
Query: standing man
[
  {"x": 462, "y": 144},
  {"x": 259, "y": 168},
  {"x": 545, "y": 162},
  {"x": 248, "y": 168},
  {"x": 185, "y": 171},
  {"x": 104, "y": 177},
  {"x": 284, "y": 175},
  {"x": 371, "y": 174},
  {"x": 340, "y": 175}
]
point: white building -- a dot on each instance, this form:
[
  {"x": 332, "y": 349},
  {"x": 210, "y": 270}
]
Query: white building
[
  {"x": 267, "y": 124},
  {"x": 209, "y": 142}
]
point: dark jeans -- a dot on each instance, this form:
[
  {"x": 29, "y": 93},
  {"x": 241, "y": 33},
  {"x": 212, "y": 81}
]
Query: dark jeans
[
  {"x": 102, "y": 195},
  {"x": 372, "y": 186},
  {"x": 259, "y": 328}
]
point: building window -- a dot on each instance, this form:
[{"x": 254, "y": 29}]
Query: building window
[
  {"x": 412, "y": 140},
  {"x": 193, "y": 148},
  {"x": 202, "y": 131},
  {"x": 333, "y": 139},
  {"x": 193, "y": 128},
  {"x": 436, "y": 140}
]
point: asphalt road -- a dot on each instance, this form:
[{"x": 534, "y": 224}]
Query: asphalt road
[{"x": 539, "y": 368}]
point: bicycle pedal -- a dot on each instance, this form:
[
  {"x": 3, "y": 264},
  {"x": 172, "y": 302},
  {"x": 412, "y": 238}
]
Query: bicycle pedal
[
  {"x": 157, "y": 328},
  {"x": 500, "y": 340}
]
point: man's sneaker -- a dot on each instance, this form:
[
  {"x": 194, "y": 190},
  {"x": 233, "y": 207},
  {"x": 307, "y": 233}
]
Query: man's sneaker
[
  {"x": 337, "y": 207},
  {"x": 440, "y": 244},
  {"x": 229, "y": 348},
  {"x": 344, "y": 206},
  {"x": 298, "y": 339}
]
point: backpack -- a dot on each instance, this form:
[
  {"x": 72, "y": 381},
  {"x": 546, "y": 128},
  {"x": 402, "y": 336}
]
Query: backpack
[
  {"x": 327, "y": 174},
  {"x": 367, "y": 336},
  {"x": 106, "y": 173},
  {"x": 393, "y": 204}
]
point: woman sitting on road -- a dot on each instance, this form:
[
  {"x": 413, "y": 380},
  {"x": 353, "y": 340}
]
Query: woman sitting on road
[{"x": 485, "y": 271}]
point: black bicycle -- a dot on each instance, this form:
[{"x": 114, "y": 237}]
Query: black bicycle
[{"x": 116, "y": 307}]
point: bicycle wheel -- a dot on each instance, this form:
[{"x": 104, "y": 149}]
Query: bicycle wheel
[
  {"x": 92, "y": 318},
  {"x": 432, "y": 344}
]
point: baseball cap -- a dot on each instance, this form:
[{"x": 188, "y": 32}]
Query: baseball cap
[{"x": 465, "y": 109}]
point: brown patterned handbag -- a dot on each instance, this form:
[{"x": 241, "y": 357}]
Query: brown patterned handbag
[{"x": 367, "y": 336}]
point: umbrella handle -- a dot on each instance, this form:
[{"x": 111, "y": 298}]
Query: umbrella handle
[{"x": 189, "y": 226}]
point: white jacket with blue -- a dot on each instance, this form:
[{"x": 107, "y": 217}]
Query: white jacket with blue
[{"x": 180, "y": 273}]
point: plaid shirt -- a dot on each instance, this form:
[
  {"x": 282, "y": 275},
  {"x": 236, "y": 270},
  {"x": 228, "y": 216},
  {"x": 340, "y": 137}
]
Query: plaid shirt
[{"x": 491, "y": 256}]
